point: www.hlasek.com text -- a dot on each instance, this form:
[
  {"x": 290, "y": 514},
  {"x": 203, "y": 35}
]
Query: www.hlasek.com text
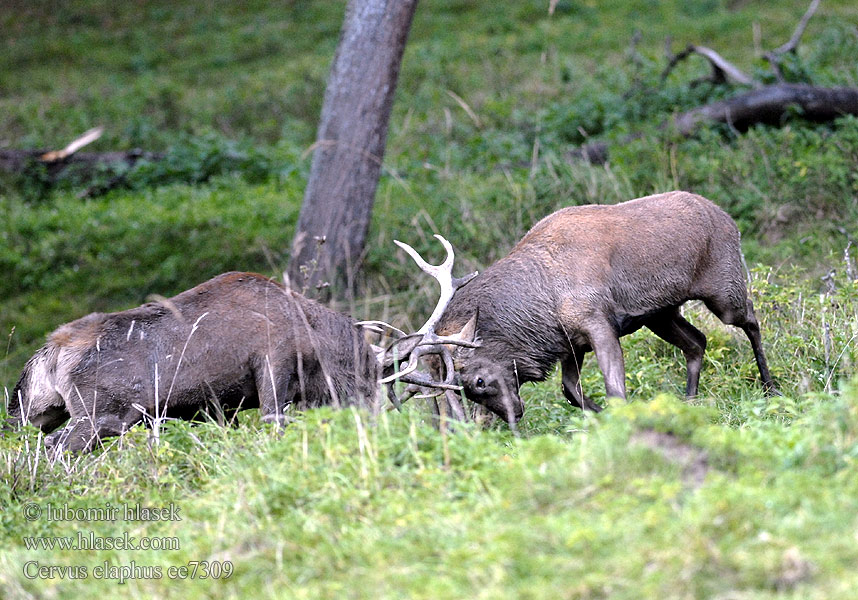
[{"x": 88, "y": 540}]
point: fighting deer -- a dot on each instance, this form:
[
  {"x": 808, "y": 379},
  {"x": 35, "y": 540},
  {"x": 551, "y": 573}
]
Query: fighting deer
[
  {"x": 239, "y": 340},
  {"x": 583, "y": 277},
  {"x": 425, "y": 342}
]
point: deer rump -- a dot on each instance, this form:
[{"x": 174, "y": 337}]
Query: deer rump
[
  {"x": 583, "y": 277},
  {"x": 237, "y": 341}
]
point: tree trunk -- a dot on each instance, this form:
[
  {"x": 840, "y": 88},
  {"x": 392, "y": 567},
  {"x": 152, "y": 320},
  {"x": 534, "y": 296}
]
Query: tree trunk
[{"x": 350, "y": 144}]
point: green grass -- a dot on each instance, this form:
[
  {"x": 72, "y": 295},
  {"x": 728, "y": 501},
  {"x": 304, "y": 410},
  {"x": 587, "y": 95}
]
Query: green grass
[
  {"x": 732, "y": 495},
  {"x": 338, "y": 506}
]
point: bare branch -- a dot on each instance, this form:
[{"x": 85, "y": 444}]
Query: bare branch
[
  {"x": 673, "y": 59},
  {"x": 791, "y": 45},
  {"x": 774, "y": 56},
  {"x": 719, "y": 63},
  {"x": 87, "y": 138},
  {"x": 723, "y": 70}
]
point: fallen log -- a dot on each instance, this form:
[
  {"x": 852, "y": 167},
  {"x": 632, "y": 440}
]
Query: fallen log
[
  {"x": 15, "y": 161},
  {"x": 771, "y": 104},
  {"x": 56, "y": 161},
  {"x": 768, "y": 105}
]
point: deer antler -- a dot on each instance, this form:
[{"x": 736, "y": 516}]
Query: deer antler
[
  {"x": 430, "y": 342},
  {"x": 444, "y": 274},
  {"x": 425, "y": 341},
  {"x": 379, "y": 327}
]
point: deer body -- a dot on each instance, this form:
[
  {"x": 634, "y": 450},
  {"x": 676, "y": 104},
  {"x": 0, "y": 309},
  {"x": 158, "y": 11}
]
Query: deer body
[
  {"x": 239, "y": 340},
  {"x": 585, "y": 276}
]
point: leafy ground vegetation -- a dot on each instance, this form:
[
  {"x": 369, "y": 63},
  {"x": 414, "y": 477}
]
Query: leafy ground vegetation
[{"x": 732, "y": 495}]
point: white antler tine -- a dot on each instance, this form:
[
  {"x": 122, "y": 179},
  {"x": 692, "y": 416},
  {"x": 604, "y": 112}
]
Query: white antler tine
[
  {"x": 447, "y": 265},
  {"x": 442, "y": 273},
  {"x": 410, "y": 368},
  {"x": 379, "y": 327},
  {"x": 424, "y": 266}
]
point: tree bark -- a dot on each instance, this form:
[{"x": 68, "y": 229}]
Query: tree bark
[{"x": 350, "y": 144}]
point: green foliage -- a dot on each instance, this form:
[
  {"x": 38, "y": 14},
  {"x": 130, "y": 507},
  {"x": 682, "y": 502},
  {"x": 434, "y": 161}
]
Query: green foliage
[
  {"x": 191, "y": 159},
  {"x": 198, "y": 159}
]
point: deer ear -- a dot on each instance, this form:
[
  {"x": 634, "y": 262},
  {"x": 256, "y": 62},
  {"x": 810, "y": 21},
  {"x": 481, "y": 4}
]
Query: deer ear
[{"x": 468, "y": 333}]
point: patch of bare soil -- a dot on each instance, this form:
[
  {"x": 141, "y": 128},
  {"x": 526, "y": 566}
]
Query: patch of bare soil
[{"x": 692, "y": 460}]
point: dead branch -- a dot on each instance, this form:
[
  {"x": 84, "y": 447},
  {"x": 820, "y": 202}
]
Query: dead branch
[
  {"x": 792, "y": 43},
  {"x": 15, "y": 161},
  {"x": 722, "y": 69},
  {"x": 87, "y": 138},
  {"x": 774, "y": 56},
  {"x": 763, "y": 104}
]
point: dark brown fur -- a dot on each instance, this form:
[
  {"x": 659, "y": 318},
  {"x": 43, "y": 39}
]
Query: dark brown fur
[
  {"x": 585, "y": 276},
  {"x": 239, "y": 340}
]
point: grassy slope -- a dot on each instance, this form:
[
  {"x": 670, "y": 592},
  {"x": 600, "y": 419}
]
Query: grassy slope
[{"x": 339, "y": 507}]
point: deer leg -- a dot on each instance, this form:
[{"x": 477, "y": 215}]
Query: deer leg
[
  {"x": 571, "y": 370},
  {"x": 274, "y": 395},
  {"x": 746, "y": 320},
  {"x": 674, "y": 329},
  {"x": 752, "y": 329},
  {"x": 609, "y": 354},
  {"x": 57, "y": 438},
  {"x": 273, "y": 409}
]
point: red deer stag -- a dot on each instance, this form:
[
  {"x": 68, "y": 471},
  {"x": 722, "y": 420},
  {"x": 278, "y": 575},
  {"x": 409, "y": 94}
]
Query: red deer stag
[
  {"x": 585, "y": 276},
  {"x": 239, "y": 340}
]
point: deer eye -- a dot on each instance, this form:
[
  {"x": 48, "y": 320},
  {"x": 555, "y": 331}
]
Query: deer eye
[{"x": 480, "y": 383}]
